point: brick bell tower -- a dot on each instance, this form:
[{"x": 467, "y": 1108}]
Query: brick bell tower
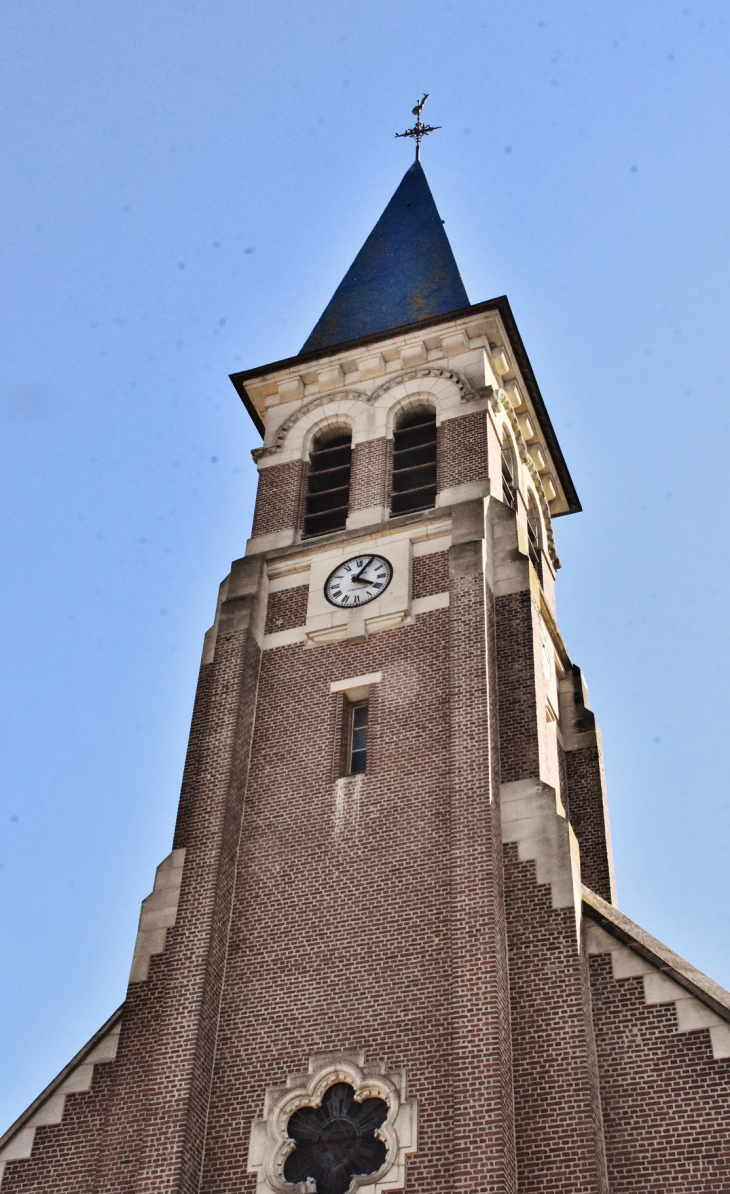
[{"x": 384, "y": 952}]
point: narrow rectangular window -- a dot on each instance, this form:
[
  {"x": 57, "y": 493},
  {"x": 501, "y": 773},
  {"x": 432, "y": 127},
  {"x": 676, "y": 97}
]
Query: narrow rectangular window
[{"x": 357, "y": 738}]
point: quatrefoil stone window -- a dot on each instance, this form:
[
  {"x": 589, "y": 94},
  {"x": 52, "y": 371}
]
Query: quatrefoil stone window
[
  {"x": 337, "y": 1141},
  {"x": 343, "y": 1127}
]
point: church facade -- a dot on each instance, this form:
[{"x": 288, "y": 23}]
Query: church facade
[{"x": 384, "y": 952}]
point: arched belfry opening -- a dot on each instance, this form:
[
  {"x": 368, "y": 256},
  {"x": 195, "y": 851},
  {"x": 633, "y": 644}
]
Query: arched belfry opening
[
  {"x": 328, "y": 482},
  {"x": 413, "y": 483},
  {"x": 509, "y": 472},
  {"x": 534, "y": 536}
]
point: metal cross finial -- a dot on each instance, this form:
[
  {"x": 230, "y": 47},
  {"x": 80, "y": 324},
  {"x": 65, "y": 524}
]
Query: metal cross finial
[{"x": 419, "y": 130}]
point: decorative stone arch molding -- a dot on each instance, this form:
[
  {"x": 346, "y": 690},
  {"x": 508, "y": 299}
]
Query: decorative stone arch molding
[
  {"x": 501, "y": 405},
  {"x": 443, "y": 389},
  {"x": 328, "y": 423},
  {"x": 417, "y": 401},
  {"x": 338, "y": 407},
  {"x": 368, "y": 414},
  {"x": 270, "y": 1143}
]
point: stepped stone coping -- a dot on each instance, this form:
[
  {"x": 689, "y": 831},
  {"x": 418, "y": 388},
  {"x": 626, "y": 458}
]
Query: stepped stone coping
[
  {"x": 16, "y": 1143},
  {"x": 656, "y": 953}
]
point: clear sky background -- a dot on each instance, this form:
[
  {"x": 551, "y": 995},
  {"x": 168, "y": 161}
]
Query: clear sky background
[{"x": 185, "y": 183}]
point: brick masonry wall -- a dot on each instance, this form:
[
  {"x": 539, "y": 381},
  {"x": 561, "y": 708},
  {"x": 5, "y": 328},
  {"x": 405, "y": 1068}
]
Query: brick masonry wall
[
  {"x": 556, "y": 1107},
  {"x": 462, "y": 450},
  {"x": 346, "y": 918},
  {"x": 483, "y": 1123},
  {"x": 340, "y": 924},
  {"x": 155, "y": 1126},
  {"x": 430, "y": 574},
  {"x": 286, "y": 609},
  {"x": 278, "y": 498},
  {"x": 65, "y": 1156},
  {"x": 584, "y": 775},
  {"x": 368, "y": 477},
  {"x": 500, "y": 920},
  {"x": 519, "y": 744},
  {"x": 665, "y": 1098}
]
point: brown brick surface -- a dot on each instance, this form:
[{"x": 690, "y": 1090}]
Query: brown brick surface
[
  {"x": 368, "y": 476},
  {"x": 65, "y": 1156},
  {"x": 278, "y": 498},
  {"x": 430, "y": 574},
  {"x": 372, "y": 925},
  {"x": 286, "y": 609},
  {"x": 665, "y": 1097},
  {"x": 462, "y": 450},
  {"x": 559, "y": 1148},
  {"x": 584, "y": 774},
  {"x": 519, "y": 743},
  {"x": 340, "y": 929}
]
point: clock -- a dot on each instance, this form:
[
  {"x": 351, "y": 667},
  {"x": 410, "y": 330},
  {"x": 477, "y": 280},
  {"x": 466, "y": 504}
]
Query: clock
[{"x": 358, "y": 581}]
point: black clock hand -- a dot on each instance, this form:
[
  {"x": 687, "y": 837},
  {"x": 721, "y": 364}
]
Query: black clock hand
[{"x": 359, "y": 574}]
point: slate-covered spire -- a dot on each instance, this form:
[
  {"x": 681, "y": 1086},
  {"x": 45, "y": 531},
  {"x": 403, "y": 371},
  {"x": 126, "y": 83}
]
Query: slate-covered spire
[{"x": 404, "y": 272}]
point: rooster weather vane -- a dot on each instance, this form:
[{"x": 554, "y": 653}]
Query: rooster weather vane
[{"x": 419, "y": 130}]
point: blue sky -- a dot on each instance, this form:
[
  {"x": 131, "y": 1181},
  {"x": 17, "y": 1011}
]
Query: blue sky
[{"x": 185, "y": 185}]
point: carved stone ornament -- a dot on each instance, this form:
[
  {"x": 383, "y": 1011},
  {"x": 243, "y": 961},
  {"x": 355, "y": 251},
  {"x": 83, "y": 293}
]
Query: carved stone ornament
[{"x": 393, "y": 1131}]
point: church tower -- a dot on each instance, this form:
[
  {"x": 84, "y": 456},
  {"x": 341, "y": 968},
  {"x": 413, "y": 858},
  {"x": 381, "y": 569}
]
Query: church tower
[{"x": 384, "y": 952}]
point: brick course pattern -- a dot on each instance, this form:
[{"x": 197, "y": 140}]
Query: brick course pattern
[
  {"x": 584, "y": 774},
  {"x": 519, "y": 744},
  {"x": 286, "y": 609},
  {"x": 462, "y": 450},
  {"x": 340, "y": 927},
  {"x": 278, "y": 498},
  {"x": 368, "y": 476},
  {"x": 665, "y": 1097},
  {"x": 553, "y": 1059},
  {"x": 430, "y": 574},
  {"x": 66, "y": 1156}
]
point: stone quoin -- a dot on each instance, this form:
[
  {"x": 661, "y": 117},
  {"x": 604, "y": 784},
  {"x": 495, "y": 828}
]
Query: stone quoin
[{"x": 384, "y": 952}]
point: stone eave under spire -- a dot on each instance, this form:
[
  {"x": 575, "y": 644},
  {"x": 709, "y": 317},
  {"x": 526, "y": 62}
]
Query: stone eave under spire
[{"x": 247, "y": 382}]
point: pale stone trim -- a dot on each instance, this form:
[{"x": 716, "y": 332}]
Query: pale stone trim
[
  {"x": 159, "y": 913},
  {"x": 289, "y": 580},
  {"x": 467, "y": 492},
  {"x": 270, "y": 1145},
  {"x": 357, "y": 687},
  {"x": 370, "y": 416},
  {"x": 286, "y": 566},
  {"x": 17, "y": 1142},
  {"x": 424, "y": 533},
  {"x": 270, "y": 541},
  {"x": 284, "y": 638},
  {"x": 429, "y": 547},
  {"x": 366, "y": 517},
  {"x": 424, "y": 605},
  {"x": 668, "y": 978},
  {"x": 500, "y": 402},
  {"x": 279, "y": 393},
  {"x": 533, "y": 817}
]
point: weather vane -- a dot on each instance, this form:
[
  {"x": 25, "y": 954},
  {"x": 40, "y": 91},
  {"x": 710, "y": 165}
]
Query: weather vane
[{"x": 419, "y": 130}]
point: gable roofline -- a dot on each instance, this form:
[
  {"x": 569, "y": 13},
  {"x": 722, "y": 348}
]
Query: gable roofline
[
  {"x": 499, "y": 304},
  {"x": 656, "y": 953},
  {"x": 60, "y": 1078}
]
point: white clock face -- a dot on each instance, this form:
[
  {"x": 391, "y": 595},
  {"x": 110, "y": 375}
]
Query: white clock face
[{"x": 358, "y": 581}]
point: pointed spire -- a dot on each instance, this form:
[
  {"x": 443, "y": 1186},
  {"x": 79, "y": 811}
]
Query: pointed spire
[{"x": 404, "y": 272}]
